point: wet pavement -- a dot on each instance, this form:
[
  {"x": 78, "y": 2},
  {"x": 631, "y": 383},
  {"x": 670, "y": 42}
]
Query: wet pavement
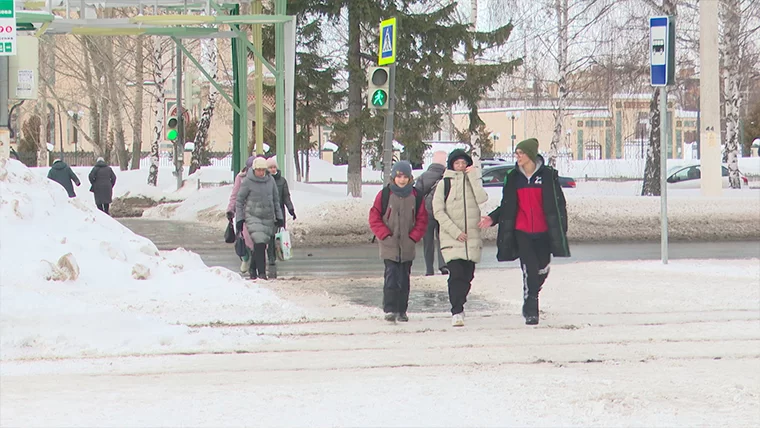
[{"x": 362, "y": 260}]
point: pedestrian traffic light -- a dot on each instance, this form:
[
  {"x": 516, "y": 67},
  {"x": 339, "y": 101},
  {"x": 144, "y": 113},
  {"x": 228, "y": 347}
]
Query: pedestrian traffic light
[
  {"x": 171, "y": 129},
  {"x": 379, "y": 93}
]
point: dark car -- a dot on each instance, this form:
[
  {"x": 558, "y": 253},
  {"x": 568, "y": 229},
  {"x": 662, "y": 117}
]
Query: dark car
[{"x": 494, "y": 177}]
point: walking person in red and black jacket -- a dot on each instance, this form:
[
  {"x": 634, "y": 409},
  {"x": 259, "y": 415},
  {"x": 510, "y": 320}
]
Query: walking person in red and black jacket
[
  {"x": 399, "y": 220},
  {"x": 532, "y": 222}
]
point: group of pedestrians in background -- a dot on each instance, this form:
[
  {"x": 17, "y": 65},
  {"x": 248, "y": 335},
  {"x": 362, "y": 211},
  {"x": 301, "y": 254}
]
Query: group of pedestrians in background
[
  {"x": 443, "y": 209},
  {"x": 258, "y": 201},
  {"x": 102, "y": 180}
]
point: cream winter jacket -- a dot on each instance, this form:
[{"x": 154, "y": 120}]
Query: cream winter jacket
[{"x": 459, "y": 213}]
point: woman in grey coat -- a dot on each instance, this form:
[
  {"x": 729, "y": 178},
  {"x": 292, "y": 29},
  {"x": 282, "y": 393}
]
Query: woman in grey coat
[
  {"x": 258, "y": 207},
  {"x": 102, "y": 179}
]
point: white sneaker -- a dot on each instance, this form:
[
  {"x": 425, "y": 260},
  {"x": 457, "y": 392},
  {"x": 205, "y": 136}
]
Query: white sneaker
[
  {"x": 244, "y": 266},
  {"x": 457, "y": 320}
]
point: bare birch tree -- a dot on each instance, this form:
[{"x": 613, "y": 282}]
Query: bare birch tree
[
  {"x": 209, "y": 52},
  {"x": 114, "y": 82},
  {"x": 651, "y": 185},
  {"x": 736, "y": 49},
  {"x": 158, "y": 110},
  {"x": 138, "y": 103}
]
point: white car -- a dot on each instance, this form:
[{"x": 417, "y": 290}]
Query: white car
[{"x": 689, "y": 177}]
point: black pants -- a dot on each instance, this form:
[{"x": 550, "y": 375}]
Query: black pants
[
  {"x": 461, "y": 273},
  {"x": 431, "y": 245},
  {"x": 103, "y": 207},
  {"x": 535, "y": 254},
  {"x": 271, "y": 254},
  {"x": 396, "y": 287},
  {"x": 259, "y": 261}
]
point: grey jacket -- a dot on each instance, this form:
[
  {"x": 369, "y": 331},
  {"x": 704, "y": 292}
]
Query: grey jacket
[
  {"x": 62, "y": 174},
  {"x": 258, "y": 203},
  {"x": 426, "y": 184},
  {"x": 102, "y": 179},
  {"x": 284, "y": 193}
]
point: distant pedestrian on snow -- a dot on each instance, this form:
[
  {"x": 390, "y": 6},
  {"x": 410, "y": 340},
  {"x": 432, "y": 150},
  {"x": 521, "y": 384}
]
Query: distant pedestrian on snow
[
  {"x": 399, "y": 220},
  {"x": 284, "y": 193},
  {"x": 246, "y": 262},
  {"x": 458, "y": 212},
  {"x": 102, "y": 180},
  {"x": 258, "y": 208},
  {"x": 532, "y": 222},
  {"x": 426, "y": 185},
  {"x": 62, "y": 174}
]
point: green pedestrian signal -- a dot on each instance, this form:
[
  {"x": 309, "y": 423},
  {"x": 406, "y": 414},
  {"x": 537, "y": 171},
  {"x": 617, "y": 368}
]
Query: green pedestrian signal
[
  {"x": 171, "y": 129},
  {"x": 379, "y": 98},
  {"x": 379, "y": 91}
]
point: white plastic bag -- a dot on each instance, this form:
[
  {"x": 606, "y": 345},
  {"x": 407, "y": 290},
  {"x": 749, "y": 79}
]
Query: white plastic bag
[{"x": 282, "y": 245}]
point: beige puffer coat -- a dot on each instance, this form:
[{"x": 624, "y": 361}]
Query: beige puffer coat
[{"x": 459, "y": 213}]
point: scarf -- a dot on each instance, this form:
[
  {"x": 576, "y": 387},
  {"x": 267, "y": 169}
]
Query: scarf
[{"x": 401, "y": 192}]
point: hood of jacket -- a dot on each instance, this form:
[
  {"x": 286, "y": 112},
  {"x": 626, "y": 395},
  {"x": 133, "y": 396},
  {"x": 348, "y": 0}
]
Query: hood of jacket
[
  {"x": 59, "y": 164},
  {"x": 101, "y": 163},
  {"x": 539, "y": 165}
]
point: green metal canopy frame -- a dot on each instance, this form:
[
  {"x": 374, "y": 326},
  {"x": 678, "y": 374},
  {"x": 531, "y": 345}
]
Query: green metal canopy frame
[{"x": 44, "y": 17}]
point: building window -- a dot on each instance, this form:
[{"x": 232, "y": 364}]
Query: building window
[
  {"x": 593, "y": 123},
  {"x": 579, "y": 124}
]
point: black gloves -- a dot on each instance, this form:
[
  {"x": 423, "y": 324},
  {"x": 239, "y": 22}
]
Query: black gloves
[
  {"x": 293, "y": 214},
  {"x": 239, "y": 226},
  {"x": 230, "y": 215},
  {"x": 279, "y": 223}
]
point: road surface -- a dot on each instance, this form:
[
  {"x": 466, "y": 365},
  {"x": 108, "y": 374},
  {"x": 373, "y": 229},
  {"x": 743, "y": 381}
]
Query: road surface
[{"x": 363, "y": 260}]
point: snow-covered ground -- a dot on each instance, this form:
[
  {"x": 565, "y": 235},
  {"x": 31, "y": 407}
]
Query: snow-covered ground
[
  {"x": 84, "y": 342},
  {"x": 619, "y": 344},
  {"x": 75, "y": 282}
]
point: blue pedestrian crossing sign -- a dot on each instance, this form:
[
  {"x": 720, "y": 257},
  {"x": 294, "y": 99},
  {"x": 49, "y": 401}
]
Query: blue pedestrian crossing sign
[{"x": 387, "y": 47}]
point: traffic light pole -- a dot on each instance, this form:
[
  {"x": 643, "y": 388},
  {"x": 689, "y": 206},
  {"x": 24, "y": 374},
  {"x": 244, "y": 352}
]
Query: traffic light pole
[
  {"x": 179, "y": 144},
  {"x": 388, "y": 133}
]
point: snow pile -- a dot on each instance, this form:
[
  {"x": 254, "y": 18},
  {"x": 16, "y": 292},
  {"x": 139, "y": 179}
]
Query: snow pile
[
  {"x": 76, "y": 282},
  {"x": 323, "y": 171}
]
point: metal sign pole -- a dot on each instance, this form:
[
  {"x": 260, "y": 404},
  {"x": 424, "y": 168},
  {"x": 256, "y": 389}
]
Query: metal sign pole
[
  {"x": 388, "y": 134},
  {"x": 663, "y": 173}
]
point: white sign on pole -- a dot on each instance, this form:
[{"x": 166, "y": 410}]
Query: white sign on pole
[
  {"x": 25, "y": 84},
  {"x": 7, "y": 28}
]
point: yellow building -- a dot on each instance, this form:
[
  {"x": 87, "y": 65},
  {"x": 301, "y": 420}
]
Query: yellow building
[{"x": 616, "y": 131}]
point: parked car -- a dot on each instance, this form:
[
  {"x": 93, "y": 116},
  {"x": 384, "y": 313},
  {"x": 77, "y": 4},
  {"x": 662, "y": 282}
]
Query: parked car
[
  {"x": 689, "y": 177},
  {"x": 494, "y": 177}
]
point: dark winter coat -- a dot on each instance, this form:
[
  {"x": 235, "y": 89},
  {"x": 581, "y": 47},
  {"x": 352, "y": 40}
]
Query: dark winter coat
[
  {"x": 284, "y": 193},
  {"x": 426, "y": 184},
  {"x": 523, "y": 199},
  {"x": 62, "y": 174},
  {"x": 258, "y": 202},
  {"x": 102, "y": 179},
  {"x": 400, "y": 227}
]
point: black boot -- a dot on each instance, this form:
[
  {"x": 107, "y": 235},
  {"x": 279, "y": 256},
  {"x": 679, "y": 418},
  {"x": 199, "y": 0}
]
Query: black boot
[
  {"x": 260, "y": 256},
  {"x": 530, "y": 310}
]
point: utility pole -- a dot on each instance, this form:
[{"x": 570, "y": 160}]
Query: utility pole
[{"x": 710, "y": 157}]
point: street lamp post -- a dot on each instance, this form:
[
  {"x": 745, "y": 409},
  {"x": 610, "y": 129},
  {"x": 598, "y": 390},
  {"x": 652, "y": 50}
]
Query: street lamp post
[
  {"x": 513, "y": 116},
  {"x": 75, "y": 116}
]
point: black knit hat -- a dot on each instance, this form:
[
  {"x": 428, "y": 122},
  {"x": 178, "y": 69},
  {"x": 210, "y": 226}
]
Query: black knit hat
[{"x": 458, "y": 154}]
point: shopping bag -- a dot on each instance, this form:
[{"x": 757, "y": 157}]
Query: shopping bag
[
  {"x": 240, "y": 249},
  {"x": 229, "y": 233},
  {"x": 283, "y": 247}
]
